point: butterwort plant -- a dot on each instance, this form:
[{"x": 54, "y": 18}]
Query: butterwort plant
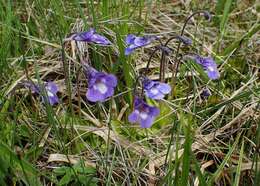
[
  {"x": 143, "y": 113},
  {"x": 100, "y": 84},
  {"x": 182, "y": 40},
  {"x": 51, "y": 91},
  {"x": 205, "y": 93},
  {"x": 133, "y": 42},
  {"x": 155, "y": 90},
  {"x": 209, "y": 65},
  {"x": 90, "y": 36}
]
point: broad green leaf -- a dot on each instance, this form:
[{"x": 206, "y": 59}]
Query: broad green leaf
[{"x": 66, "y": 178}]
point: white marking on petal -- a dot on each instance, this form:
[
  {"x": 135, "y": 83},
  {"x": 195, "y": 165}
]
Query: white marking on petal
[
  {"x": 154, "y": 91},
  {"x": 211, "y": 69},
  {"x": 143, "y": 115},
  {"x": 102, "y": 88},
  {"x": 137, "y": 112},
  {"x": 50, "y": 94},
  {"x": 103, "y": 80}
]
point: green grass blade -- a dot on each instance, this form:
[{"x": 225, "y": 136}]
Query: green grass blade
[
  {"x": 30, "y": 173},
  {"x": 187, "y": 151},
  {"x": 225, "y": 15},
  {"x": 127, "y": 70},
  {"x": 222, "y": 165},
  {"x": 236, "y": 44},
  {"x": 220, "y": 6},
  {"x": 202, "y": 181},
  {"x": 238, "y": 171}
]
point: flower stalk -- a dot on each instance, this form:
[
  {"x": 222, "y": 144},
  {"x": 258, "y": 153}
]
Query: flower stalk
[{"x": 177, "y": 59}]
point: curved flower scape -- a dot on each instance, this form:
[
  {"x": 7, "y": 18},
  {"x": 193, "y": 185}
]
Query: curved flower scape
[
  {"x": 143, "y": 113},
  {"x": 51, "y": 90},
  {"x": 209, "y": 65},
  {"x": 91, "y": 37},
  {"x": 100, "y": 85},
  {"x": 155, "y": 89},
  {"x": 135, "y": 42}
]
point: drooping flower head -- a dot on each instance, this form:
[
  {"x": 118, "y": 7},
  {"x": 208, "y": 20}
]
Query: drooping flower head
[
  {"x": 185, "y": 40},
  {"x": 51, "y": 90},
  {"x": 205, "y": 93},
  {"x": 166, "y": 49},
  {"x": 133, "y": 42},
  {"x": 209, "y": 65},
  {"x": 143, "y": 113},
  {"x": 207, "y": 15},
  {"x": 92, "y": 37},
  {"x": 155, "y": 89},
  {"x": 100, "y": 85}
]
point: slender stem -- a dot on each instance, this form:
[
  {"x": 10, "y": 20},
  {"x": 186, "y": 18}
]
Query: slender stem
[
  {"x": 170, "y": 39},
  {"x": 162, "y": 61},
  {"x": 176, "y": 60},
  {"x": 188, "y": 18},
  {"x": 175, "y": 72},
  {"x": 162, "y": 67},
  {"x": 150, "y": 59},
  {"x": 160, "y": 41},
  {"x": 175, "y": 68},
  {"x": 136, "y": 83},
  {"x": 162, "y": 74}
]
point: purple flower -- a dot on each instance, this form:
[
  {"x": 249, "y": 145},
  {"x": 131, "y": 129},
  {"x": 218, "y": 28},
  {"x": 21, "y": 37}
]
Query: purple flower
[
  {"x": 155, "y": 89},
  {"x": 143, "y": 113},
  {"x": 100, "y": 85},
  {"x": 205, "y": 93},
  {"x": 185, "y": 40},
  {"x": 209, "y": 65},
  {"x": 51, "y": 91},
  {"x": 33, "y": 87},
  {"x": 135, "y": 42},
  {"x": 207, "y": 15},
  {"x": 166, "y": 50},
  {"x": 92, "y": 37}
]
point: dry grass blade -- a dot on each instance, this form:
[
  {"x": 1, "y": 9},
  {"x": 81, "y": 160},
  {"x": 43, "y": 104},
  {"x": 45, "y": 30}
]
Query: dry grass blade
[
  {"x": 216, "y": 114},
  {"x": 203, "y": 141},
  {"x": 45, "y": 137},
  {"x": 69, "y": 159},
  {"x": 123, "y": 110},
  {"x": 202, "y": 169},
  {"x": 91, "y": 119}
]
